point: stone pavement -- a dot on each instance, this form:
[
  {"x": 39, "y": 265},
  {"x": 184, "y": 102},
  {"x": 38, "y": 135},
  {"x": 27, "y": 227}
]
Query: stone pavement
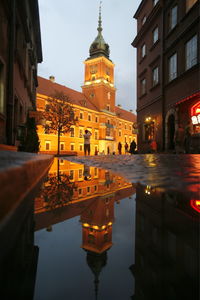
[{"x": 167, "y": 171}]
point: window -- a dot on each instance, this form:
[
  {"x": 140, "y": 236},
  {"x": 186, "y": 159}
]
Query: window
[
  {"x": 130, "y": 127},
  {"x": 2, "y": 88},
  {"x": 143, "y": 86},
  {"x": 155, "y": 35},
  {"x": 108, "y": 107},
  {"x": 47, "y": 145},
  {"x": 155, "y": 2},
  {"x": 81, "y": 116},
  {"x": 125, "y": 126},
  {"x": 149, "y": 131},
  {"x": 120, "y": 133},
  {"x": 62, "y": 146},
  {"x": 89, "y": 117},
  {"x": 173, "y": 67},
  {"x": 96, "y": 135},
  {"x": 81, "y": 133},
  {"x": 91, "y": 239},
  {"x": 96, "y": 119},
  {"x": 144, "y": 20},
  {"x": 81, "y": 147},
  {"x": 71, "y": 174},
  {"x": 62, "y": 162},
  {"x": 191, "y": 53},
  {"x": 80, "y": 191},
  {"x": 143, "y": 50},
  {"x": 173, "y": 17},
  {"x": 80, "y": 173},
  {"x": 72, "y": 147},
  {"x": 189, "y": 4},
  {"x": 95, "y": 188},
  {"x": 155, "y": 76},
  {"x": 95, "y": 172},
  {"x": 88, "y": 189},
  {"x": 72, "y": 132}
]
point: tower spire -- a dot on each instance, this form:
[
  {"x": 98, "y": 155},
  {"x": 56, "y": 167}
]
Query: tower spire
[{"x": 100, "y": 21}]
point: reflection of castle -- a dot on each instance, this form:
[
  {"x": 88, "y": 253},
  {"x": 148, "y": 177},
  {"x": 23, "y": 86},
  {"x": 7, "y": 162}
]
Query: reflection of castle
[
  {"x": 94, "y": 194},
  {"x": 167, "y": 246}
]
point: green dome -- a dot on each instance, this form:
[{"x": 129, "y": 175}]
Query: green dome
[{"x": 99, "y": 47}]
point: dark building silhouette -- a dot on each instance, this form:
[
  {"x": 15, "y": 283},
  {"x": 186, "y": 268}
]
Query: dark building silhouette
[
  {"x": 168, "y": 77},
  {"x": 166, "y": 246},
  {"x": 20, "y": 51}
]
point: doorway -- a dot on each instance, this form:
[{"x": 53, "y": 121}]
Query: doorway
[{"x": 171, "y": 132}]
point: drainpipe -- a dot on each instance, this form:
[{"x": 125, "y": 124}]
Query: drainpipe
[{"x": 10, "y": 75}]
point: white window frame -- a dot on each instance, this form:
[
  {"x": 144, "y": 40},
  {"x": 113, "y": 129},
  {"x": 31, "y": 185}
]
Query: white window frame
[
  {"x": 143, "y": 50},
  {"x": 155, "y": 76},
  {"x": 191, "y": 52},
  {"x": 173, "y": 67},
  {"x": 173, "y": 17}
]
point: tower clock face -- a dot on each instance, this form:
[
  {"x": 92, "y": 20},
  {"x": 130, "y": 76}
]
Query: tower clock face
[{"x": 93, "y": 69}]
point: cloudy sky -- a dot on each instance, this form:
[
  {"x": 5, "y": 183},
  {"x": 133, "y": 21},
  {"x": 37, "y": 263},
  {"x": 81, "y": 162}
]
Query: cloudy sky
[{"x": 68, "y": 27}]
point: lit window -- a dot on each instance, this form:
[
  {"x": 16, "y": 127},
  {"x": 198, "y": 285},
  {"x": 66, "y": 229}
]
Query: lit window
[
  {"x": 2, "y": 87},
  {"x": 173, "y": 67},
  {"x": 173, "y": 17},
  {"x": 80, "y": 173},
  {"x": 143, "y": 86},
  {"x": 149, "y": 130},
  {"x": 47, "y": 145},
  {"x": 191, "y": 52},
  {"x": 155, "y": 35},
  {"x": 155, "y": 76},
  {"x": 143, "y": 50},
  {"x": 155, "y": 2},
  {"x": 72, "y": 132},
  {"x": 189, "y": 4},
  {"x": 81, "y": 133},
  {"x": 71, "y": 174},
  {"x": 62, "y": 146}
]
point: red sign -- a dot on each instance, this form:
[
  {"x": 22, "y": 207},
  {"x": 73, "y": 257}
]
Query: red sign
[
  {"x": 195, "y": 204},
  {"x": 195, "y": 113}
]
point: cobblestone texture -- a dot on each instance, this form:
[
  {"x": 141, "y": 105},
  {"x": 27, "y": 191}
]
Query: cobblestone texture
[{"x": 167, "y": 171}]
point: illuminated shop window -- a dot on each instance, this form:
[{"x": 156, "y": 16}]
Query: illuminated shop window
[{"x": 149, "y": 131}]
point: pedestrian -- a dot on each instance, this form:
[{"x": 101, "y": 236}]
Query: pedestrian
[
  {"x": 87, "y": 142},
  {"x": 187, "y": 137},
  {"x": 126, "y": 148},
  {"x": 133, "y": 147},
  {"x": 153, "y": 146},
  {"x": 120, "y": 148},
  {"x": 179, "y": 139}
]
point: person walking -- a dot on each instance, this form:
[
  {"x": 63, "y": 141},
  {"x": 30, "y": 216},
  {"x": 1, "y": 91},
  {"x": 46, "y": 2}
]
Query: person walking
[
  {"x": 126, "y": 148},
  {"x": 132, "y": 147},
  {"x": 87, "y": 142},
  {"x": 120, "y": 148}
]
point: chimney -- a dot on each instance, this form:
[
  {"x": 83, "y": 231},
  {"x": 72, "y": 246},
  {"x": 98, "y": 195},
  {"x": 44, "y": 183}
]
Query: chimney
[
  {"x": 52, "y": 78},
  {"x": 119, "y": 105}
]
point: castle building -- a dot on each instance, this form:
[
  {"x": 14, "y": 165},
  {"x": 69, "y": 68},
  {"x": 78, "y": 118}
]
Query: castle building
[{"x": 94, "y": 108}]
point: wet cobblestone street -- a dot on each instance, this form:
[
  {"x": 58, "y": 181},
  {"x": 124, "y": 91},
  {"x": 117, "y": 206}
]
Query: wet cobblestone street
[{"x": 170, "y": 171}]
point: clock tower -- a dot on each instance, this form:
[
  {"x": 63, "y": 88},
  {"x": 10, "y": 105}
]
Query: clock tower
[{"x": 99, "y": 74}]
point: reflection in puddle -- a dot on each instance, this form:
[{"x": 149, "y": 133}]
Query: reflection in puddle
[{"x": 101, "y": 237}]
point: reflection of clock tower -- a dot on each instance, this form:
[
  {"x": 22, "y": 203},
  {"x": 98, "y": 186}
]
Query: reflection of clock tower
[{"x": 99, "y": 74}]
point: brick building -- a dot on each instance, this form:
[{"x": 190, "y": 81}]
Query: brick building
[
  {"x": 20, "y": 51},
  {"x": 95, "y": 107},
  {"x": 168, "y": 93}
]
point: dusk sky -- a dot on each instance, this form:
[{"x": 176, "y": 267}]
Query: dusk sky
[{"x": 69, "y": 27}]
